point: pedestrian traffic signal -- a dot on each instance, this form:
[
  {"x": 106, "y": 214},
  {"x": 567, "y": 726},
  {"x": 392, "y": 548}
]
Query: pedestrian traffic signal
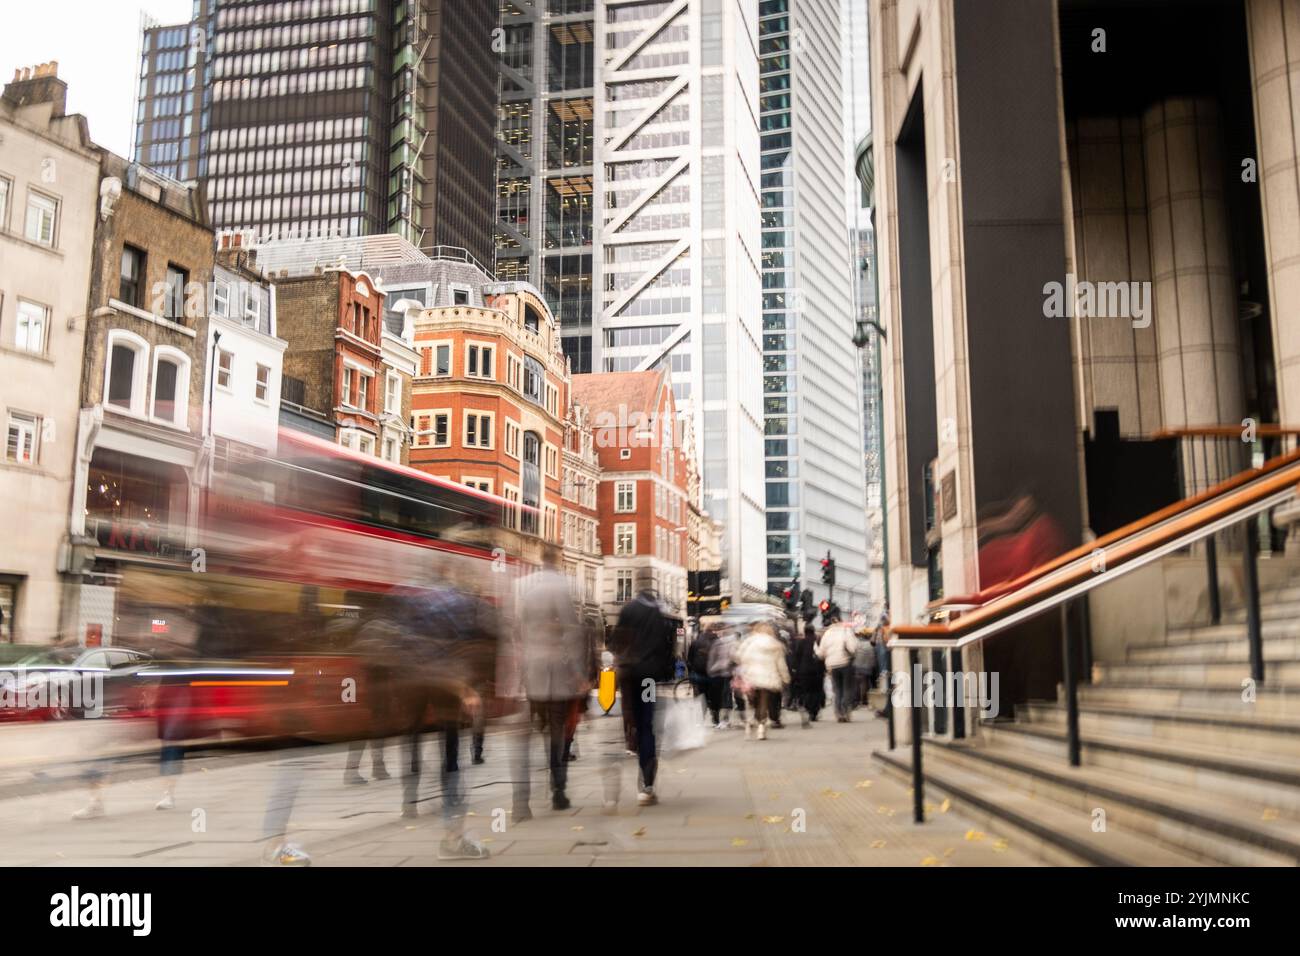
[
  {"x": 828, "y": 570},
  {"x": 806, "y": 599}
]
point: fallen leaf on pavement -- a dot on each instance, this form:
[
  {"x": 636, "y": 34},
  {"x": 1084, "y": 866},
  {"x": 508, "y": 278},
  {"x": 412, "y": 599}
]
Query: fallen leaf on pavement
[
  {"x": 877, "y": 844},
  {"x": 739, "y": 842},
  {"x": 974, "y": 835},
  {"x": 639, "y": 831},
  {"x": 931, "y": 861},
  {"x": 773, "y": 819}
]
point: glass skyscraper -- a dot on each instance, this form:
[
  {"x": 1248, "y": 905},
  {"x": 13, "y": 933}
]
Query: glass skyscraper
[{"x": 812, "y": 398}]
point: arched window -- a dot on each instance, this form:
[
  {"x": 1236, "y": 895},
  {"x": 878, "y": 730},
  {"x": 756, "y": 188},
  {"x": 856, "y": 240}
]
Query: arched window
[
  {"x": 532, "y": 481},
  {"x": 171, "y": 384},
  {"x": 124, "y": 371},
  {"x": 532, "y": 321}
]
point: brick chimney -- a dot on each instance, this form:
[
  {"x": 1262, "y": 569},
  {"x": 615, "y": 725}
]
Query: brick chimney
[{"x": 38, "y": 84}]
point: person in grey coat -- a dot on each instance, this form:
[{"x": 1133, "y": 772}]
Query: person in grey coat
[{"x": 556, "y": 667}]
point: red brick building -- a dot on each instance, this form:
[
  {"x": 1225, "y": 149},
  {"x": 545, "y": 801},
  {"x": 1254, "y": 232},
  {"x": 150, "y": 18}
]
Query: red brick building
[
  {"x": 489, "y": 404},
  {"x": 334, "y": 364},
  {"x": 643, "y": 497}
]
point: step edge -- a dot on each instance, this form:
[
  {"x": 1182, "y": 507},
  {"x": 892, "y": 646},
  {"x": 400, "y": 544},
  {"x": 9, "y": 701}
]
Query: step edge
[
  {"x": 1217, "y": 825},
  {"x": 1218, "y": 765}
]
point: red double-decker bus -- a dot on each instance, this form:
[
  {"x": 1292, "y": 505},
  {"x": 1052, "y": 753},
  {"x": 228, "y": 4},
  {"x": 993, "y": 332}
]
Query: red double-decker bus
[{"x": 298, "y": 551}]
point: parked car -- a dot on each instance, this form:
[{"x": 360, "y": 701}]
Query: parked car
[{"x": 58, "y": 682}]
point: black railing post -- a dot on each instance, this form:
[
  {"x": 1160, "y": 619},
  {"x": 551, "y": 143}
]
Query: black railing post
[
  {"x": 1071, "y": 690},
  {"x": 1253, "y": 630},
  {"x": 1212, "y": 573},
  {"x": 889, "y": 699},
  {"x": 1085, "y": 635},
  {"x": 918, "y": 780},
  {"x": 959, "y": 698}
]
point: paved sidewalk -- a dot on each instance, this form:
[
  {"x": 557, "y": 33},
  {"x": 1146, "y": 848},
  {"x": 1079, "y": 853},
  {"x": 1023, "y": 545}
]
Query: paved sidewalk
[{"x": 803, "y": 797}]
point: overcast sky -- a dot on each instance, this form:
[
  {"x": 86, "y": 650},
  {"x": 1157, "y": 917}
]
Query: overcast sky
[{"x": 97, "y": 44}]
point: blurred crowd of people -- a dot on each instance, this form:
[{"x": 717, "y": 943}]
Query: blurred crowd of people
[
  {"x": 755, "y": 669},
  {"x": 445, "y": 656}
]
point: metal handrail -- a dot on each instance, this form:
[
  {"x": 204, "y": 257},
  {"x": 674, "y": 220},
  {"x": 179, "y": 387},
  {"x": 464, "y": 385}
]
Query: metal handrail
[
  {"x": 1239, "y": 499},
  {"x": 1229, "y": 502}
]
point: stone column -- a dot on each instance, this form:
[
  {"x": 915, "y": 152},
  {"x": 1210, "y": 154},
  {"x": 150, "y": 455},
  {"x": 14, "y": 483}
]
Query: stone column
[
  {"x": 1273, "y": 29},
  {"x": 1191, "y": 264},
  {"x": 1110, "y": 245}
]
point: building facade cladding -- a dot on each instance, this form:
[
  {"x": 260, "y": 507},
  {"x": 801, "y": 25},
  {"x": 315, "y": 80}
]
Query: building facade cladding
[
  {"x": 644, "y": 495},
  {"x": 677, "y": 241},
  {"x": 815, "y": 492},
  {"x": 47, "y": 162},
  {"x": 489, "y": 405},
  {"x": 545, "y": 156},
  {"x": 313, "y": 118}
]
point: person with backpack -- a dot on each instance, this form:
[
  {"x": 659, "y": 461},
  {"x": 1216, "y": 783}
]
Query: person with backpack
[
  {"x": 864, "y": 668},
  {"x": 837, "y": 647}
]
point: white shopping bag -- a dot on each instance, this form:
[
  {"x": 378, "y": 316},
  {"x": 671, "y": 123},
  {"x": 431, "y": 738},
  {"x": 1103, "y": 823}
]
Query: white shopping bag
[{"x": 683, "y": 728}]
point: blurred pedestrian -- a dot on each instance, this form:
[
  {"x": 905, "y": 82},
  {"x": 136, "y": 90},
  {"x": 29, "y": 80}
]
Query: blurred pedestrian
[
  {"x": 837, "y": 647},
  {"x": 809, "y": 672},
  {"x": 642, "y": 643},
  {"x": 717, "y": 670},
  {"x": 375, "y": 647},
  {"x": 556, "y": 673},
  {"x": 761, "y": 661},
  {"x": 436, "y": 690},
  {"x": 697, "y": 662}
]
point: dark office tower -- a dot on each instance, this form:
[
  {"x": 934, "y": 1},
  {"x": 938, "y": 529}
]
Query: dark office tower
[
  {"x": 458, "y": 101},
  {"x": 314, "y": 118},
  {"x": 545, "y": 140}
]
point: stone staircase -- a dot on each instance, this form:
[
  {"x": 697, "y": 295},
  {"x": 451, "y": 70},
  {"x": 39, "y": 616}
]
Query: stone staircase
[{"x": 1182, "y": 770}]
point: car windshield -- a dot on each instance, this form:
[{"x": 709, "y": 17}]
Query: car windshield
[{"x": 48, "y": 657}]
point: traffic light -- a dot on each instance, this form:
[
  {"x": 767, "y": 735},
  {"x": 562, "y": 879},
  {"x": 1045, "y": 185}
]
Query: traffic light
[
  {"x": 828, "y": 570},
  {"x": 830, "y": 611},
  {"x": 790, "y": 596},
  {"x": 806, "y": 599}
]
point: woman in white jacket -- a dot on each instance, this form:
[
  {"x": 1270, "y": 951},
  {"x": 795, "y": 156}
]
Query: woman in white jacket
[{"x": 761, "y": 661}]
